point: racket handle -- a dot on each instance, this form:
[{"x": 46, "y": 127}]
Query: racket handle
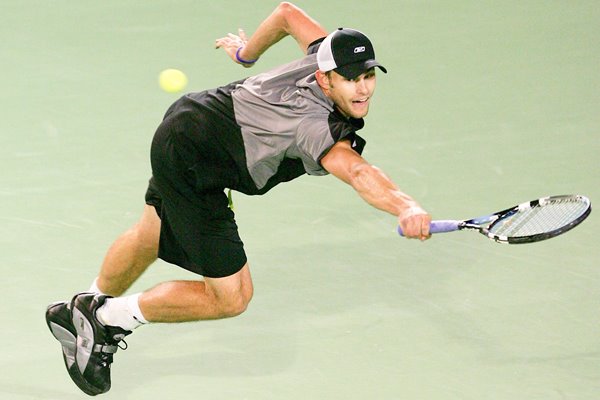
[{"x": 439, "y": 226}]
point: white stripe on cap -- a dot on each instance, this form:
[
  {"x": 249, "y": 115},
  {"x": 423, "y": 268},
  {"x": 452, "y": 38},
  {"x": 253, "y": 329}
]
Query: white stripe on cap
[{"x": 325, "y": 55}]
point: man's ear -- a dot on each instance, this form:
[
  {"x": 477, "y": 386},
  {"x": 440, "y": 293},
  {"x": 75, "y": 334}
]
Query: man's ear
[{"x": 322, "y": 79}]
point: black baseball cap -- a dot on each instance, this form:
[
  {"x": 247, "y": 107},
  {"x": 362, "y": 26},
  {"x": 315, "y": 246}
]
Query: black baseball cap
[{"x": 347, "y": 52}]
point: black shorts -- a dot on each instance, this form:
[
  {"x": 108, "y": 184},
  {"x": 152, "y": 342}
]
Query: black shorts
[{"x": 190, "y": 172}]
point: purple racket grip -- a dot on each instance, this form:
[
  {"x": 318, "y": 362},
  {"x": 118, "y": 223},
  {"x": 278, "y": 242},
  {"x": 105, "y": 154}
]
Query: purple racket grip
[{"x": 439, "y": 226}]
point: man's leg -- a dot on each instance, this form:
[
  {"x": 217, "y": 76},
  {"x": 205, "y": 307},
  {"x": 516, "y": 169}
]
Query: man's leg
[
  {"x": 177, "y": 301},
  {"x": 125, "y": 261},
  {"x": 213, "y": 298},
  {"x": 130, "y": 255}
]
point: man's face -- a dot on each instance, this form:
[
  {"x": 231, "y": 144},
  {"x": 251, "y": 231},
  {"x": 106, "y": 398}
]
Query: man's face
[{"x": 351, "y": 96}]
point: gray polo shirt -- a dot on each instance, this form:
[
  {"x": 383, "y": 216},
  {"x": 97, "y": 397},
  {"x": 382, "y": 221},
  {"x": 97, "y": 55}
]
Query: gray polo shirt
[{"x": 284, "y": 113}]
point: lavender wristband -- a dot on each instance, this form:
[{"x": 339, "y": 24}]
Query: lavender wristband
[{"x": 241, "y": 60}]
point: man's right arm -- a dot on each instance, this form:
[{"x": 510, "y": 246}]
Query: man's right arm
[
  {"x": 377, "y": 189},
  {"x": 286, "y": 20}
]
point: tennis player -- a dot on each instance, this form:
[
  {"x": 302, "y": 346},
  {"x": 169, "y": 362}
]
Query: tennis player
[{"x": 249, "y": 136}]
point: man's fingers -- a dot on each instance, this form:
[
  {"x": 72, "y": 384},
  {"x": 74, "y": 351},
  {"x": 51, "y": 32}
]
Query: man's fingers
[
  {"x": 416, "y": 227},
  {"x": 242, "y": 35},
  {"x": 425, "y": 223}
]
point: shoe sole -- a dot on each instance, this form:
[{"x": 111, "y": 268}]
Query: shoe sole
[{"x": 68, "y": 342}]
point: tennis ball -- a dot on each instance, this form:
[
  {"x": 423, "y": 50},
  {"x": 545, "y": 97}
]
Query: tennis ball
[{"x": 172, "y": 80}]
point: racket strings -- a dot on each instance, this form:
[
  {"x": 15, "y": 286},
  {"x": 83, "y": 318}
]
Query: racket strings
[{"x": 539, "y": 219}]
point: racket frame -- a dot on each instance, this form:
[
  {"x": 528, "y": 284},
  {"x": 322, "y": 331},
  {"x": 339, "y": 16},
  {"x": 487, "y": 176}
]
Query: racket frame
[{"x": 485, "y": 223}]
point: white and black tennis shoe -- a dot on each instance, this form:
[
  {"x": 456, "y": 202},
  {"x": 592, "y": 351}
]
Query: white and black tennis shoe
[{"x": 96, "y": 343}]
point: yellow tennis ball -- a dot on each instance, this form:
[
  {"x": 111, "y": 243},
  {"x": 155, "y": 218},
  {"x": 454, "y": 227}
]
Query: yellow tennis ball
[{"x": 172, "y": 80}]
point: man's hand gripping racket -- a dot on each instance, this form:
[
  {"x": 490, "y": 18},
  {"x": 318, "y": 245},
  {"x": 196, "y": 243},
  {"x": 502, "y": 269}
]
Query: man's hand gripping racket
[
  {"x": 528, "y": 222},
  {"x": 414, "y": 223}
]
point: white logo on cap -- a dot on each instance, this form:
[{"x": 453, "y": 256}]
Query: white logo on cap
[{"x": 359, "y": 49}]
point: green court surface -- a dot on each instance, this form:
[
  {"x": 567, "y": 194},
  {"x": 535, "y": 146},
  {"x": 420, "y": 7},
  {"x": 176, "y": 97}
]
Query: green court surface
[{"x": 486, "y": 104}]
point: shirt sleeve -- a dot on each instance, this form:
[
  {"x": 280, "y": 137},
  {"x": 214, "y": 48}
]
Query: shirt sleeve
[
  {"x": 316, "y": 137},
  {"x": 313, "y": 139},
  {"x": 314, "y": 46}
]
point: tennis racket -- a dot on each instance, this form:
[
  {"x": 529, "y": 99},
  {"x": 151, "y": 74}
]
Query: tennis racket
[{"x": 528, "y": 222}]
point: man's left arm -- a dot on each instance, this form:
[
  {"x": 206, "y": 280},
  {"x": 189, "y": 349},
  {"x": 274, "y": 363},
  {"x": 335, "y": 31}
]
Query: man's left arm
[{"x": 377, "y": 189}]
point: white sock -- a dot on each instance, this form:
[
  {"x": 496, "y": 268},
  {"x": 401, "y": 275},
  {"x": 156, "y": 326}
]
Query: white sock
[
  {"x": 123, "y": 312},
  {"x": 94, "y": 288}
]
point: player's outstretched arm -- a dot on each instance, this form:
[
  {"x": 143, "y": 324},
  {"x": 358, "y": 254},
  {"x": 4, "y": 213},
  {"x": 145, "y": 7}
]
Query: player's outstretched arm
[
  {"x": 377, "y": 189},
  {"x": 286, "y": 20}
]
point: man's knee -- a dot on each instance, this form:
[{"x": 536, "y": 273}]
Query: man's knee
[
  {"x": 234, "y": 302},
  {"x": 234, "y": 305}
]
